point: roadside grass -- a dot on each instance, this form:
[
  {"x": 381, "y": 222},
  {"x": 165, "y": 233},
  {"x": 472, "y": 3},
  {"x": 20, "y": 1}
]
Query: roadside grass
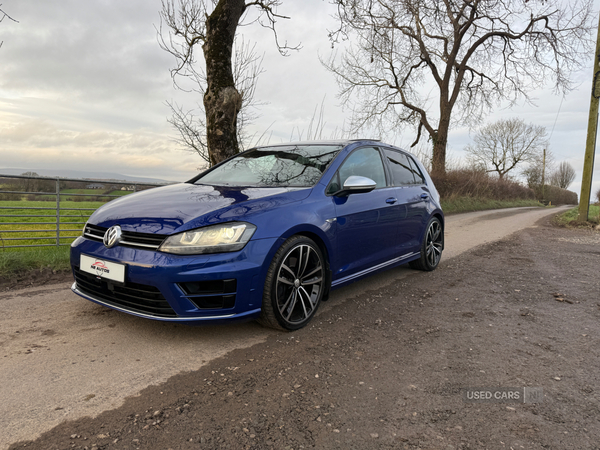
[
  {"x": 569, "y": 218},
  {"x": 469, "y": 204},
  {"x": 29, "y": 259}
]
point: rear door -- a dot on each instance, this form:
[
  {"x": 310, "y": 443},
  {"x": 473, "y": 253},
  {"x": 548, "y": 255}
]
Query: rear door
[{"x": 413, "y": 194}]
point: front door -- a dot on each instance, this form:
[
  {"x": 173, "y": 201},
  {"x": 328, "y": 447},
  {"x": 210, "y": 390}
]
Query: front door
[{"x": 366, "y": 223}]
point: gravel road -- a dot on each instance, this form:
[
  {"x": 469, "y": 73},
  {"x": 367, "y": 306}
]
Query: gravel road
[{"x": 64, "y": 358}]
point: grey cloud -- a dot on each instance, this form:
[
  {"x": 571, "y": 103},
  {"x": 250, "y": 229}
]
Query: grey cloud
[{"x": 91, "y": 50}]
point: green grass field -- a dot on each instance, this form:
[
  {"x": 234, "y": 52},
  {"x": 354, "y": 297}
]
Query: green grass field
[
  {"x": 91, "y": 192},
  {"x": 29, "y": 230}
]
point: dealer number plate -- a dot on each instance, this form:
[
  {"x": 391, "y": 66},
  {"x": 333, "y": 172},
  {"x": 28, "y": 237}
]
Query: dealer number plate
[{"x": 102, "y": 268}]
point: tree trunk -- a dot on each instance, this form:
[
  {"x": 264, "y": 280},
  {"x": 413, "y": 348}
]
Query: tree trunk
[
  {"x": 440, "y": 140},
  {"x": 222, "y": 101}
]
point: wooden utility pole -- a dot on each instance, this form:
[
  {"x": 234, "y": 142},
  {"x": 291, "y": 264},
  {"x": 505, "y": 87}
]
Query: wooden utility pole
[
  {"x": 590, "y": 143},
  {"x": 544, "y": 178}
]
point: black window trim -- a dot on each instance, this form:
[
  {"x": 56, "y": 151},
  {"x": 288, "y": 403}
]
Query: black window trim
[{"x": 412, "y": 161}]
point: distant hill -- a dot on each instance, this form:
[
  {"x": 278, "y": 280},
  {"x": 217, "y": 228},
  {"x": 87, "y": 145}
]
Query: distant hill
[{"x": 83, "y": 174}]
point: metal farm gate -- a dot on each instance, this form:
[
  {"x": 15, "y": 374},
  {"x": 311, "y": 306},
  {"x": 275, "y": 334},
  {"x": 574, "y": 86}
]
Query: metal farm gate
[{"x": 17, "y": 217}]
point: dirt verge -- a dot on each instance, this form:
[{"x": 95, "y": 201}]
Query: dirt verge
[
  {"x": 32, "y": 278},
  {"x": 388, "y": 369}
]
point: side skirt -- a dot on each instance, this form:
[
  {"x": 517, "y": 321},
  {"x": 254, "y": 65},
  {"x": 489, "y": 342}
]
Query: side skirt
[{"x": 362, "y": 273}]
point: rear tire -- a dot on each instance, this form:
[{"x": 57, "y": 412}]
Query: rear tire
[
  {"x": 294, "y": 286},
  {"x": 431, "y": 247}
]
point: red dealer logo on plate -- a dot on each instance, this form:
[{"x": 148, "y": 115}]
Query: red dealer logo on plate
[{"x": 100, "y": 268}]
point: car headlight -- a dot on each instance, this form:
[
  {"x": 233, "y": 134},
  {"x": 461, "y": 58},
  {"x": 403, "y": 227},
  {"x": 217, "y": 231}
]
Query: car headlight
[{"x": 225, "y": 237}]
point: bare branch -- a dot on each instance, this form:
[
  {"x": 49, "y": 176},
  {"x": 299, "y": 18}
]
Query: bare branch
[
  {"x": 4, "y": 15},
  {"x": 269, "y": 7},
  {"x": 186, "y": 24},
  {"x": 190, "y": 128}
]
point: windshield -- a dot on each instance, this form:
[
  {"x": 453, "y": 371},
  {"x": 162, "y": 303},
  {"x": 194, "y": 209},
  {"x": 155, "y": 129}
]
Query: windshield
[{"x": 284, "y": 166}]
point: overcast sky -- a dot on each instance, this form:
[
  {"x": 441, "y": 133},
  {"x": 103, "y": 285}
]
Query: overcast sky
[{"x": 83, "y": 85}]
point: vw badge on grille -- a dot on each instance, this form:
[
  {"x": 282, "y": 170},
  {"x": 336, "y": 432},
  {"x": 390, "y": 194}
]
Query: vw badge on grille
[{"x": 112, "y": 236}]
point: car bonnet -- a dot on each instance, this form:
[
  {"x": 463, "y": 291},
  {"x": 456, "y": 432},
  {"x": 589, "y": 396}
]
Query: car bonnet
[{"x": 180, "y": 207}]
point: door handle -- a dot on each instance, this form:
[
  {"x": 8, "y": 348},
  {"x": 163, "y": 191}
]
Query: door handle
[{"x": 391, "y": 200}]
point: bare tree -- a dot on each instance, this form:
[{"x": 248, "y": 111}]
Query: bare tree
[
  {"x": 191, "y": 123},
  {"x": 468, "y": 54},
  {"x": 213, "y": 25},
  {"x": 563, "y": 176},
  {"x": 3, "y": 16},
  {"x": 501, "y": 146}
]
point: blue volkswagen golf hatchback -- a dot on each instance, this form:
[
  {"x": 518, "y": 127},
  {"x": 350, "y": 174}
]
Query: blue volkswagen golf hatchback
[{"x": 263, "y": 235}]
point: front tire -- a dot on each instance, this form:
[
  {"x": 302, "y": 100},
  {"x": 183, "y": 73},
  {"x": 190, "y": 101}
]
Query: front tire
[
  {"x": 294, "y": 286},
  {"x": 431, "y": 247}
]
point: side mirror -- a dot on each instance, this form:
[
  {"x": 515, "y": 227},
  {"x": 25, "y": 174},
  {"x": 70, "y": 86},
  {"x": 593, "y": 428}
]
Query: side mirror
[{"x": 356, "y": 185}]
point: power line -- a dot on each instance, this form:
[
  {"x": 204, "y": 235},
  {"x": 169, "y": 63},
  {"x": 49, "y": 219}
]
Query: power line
[{"x": 556, "y": 119}]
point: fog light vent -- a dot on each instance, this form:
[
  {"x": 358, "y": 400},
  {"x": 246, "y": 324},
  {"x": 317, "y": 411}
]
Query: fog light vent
[{"x": 211, "y": 294}]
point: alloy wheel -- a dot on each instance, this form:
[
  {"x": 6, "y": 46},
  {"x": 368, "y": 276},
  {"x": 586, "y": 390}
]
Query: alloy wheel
[
  {"x": 433, "y": 243},
  {"x": 299, "y": 284}
]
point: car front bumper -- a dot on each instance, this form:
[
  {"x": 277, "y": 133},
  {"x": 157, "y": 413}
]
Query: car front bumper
[{"x": 194, "y": 289}]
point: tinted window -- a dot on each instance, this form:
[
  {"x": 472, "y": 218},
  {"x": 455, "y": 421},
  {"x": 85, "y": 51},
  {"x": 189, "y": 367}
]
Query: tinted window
[
  {"x": 364, "y": 162},
  {"x": 294, "y": 166},
  {"x": 419, "y": 179},
  {"x": 402, "y": 172}
]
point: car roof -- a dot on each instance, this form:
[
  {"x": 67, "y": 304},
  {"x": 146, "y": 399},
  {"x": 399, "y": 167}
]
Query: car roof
[
  {"x": 340, "y": 142},
  {"x": 319, "y": 142}
]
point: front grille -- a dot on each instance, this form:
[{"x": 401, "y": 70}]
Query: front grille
[
  {"x": 132, "y": 297},
  {"x": 212, "y": 294},
  {"x": 149, "y": 241},
  {"x": 94, "y": 232}
]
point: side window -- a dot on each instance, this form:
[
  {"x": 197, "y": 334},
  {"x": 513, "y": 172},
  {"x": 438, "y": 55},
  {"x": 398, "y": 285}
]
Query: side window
[
  {"x": 419, "y": 178},
  {"x": 364, "y": 162},
  {"x": 402, "y": 172}
]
